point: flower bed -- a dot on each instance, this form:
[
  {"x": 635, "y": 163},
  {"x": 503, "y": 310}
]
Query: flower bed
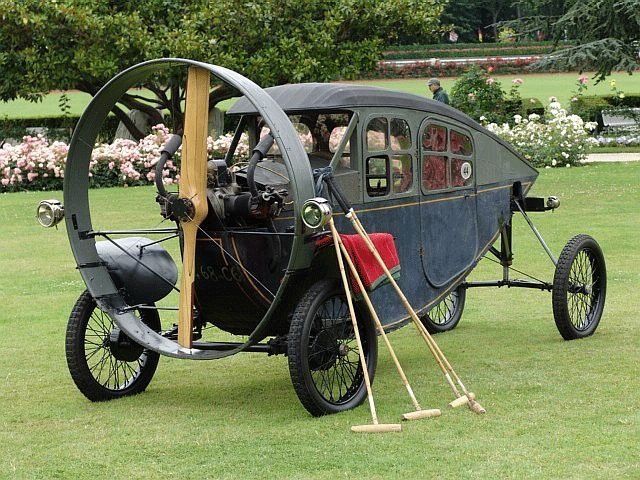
[
  {"x": 36, "y": 164},
  {"x": 618, "y": 141},
  {"x": 555, "y": 140}
]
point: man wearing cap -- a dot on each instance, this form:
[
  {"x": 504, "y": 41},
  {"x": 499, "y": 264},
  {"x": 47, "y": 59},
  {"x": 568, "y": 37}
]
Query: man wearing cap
[{"x": 438, "y": 92}]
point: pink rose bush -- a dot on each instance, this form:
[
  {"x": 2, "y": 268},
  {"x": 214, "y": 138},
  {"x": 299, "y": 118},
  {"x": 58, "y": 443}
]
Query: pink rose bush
[{"x": 36, "y": 164}]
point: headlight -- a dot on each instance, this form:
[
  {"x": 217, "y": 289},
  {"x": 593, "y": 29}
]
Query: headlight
[
  {"x": 553, "y": 203},
  {"x": 316, "y": 212},
  {"x": 49, "y": 212}
]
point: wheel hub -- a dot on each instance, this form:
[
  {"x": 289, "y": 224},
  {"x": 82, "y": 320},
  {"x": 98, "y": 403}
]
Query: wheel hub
[
  {"x": 122, "y": 347},
  {"x": 324, "y": 351}
]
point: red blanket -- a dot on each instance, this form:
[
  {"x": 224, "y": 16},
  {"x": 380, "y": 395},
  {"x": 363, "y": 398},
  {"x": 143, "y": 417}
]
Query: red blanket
[{"x": 369, "y": 270}]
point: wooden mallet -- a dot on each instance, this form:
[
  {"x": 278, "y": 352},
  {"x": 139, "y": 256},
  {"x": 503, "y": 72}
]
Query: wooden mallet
[
  {"x": 419, "y": 412},
  {"x": 375, "y": 427},
  {"x": 441, "y": 360}
]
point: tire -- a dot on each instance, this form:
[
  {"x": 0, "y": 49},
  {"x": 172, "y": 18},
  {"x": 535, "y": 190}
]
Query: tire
[
  {"x": 579, "y": 288},
  {"x": 104, "y": 363},
  {"x": 323, "y": 354},
  {"x": 446, "y": 314}
]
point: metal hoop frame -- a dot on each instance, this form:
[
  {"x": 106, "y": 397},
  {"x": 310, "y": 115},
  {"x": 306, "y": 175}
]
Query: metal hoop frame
[{"x": 78, "y": 217}]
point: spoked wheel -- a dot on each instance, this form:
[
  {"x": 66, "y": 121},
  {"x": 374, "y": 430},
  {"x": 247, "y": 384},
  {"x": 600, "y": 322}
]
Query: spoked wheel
[
  {"x": 323, "y": 353},
  {"x": 579, "y": 288},
  {"x": 446, "y": 314},
  {"x": 104, "y": 363}
]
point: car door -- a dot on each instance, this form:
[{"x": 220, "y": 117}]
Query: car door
[{"x": 448, "y": 210}]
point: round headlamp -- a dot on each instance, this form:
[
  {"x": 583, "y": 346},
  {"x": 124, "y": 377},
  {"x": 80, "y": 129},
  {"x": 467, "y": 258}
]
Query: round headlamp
[
  {"x": 49, "y": 212},
  {"x": 316, "y": 212}
]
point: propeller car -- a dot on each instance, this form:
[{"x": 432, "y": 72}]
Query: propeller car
[{"x": 255, "y": 274}]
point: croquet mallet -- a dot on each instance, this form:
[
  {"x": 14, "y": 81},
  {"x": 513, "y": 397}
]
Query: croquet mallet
[
  {"x": 375, "y": 427},
  {"x": 463, "y": 398},
  {"x": 419, "y": 412}
]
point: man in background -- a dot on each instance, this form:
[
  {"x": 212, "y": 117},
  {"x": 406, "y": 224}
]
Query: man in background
[{"x": 438, "y": 92}]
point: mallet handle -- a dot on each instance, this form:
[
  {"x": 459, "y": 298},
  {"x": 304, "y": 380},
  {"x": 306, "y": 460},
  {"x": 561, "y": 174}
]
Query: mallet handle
[
  {"x": 377, "y": 322},
  {"x": 345, "y": 282}
]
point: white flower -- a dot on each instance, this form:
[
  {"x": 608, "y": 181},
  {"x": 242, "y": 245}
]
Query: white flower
[
  {"x": 517, "y": 118},
  {"x": 554, "y": 162}
]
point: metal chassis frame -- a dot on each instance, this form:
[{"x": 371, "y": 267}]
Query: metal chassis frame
[{"x": 505, "y": 258}]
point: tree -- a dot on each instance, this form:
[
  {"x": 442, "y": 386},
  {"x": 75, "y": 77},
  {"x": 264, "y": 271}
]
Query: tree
[
  {"x": 469, "y": 16},
  {"x": 81, "y": 44},
  {"x": 607, "y": 33}
]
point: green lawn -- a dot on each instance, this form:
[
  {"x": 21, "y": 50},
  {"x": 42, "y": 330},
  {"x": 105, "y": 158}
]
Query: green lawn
[
  {"x": 556, "y": 409},
  {"x": 541, "y": 86}
]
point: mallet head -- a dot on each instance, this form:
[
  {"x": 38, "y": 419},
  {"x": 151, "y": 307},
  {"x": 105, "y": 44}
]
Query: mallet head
[
  {"x": 377, "y": 428},
  {"x": 463, "y": 400},
  {"x": 418, "y": 414}
]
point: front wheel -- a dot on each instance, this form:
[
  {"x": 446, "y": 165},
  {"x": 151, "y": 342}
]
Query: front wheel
[
  {"x": 323, "y": 353},
  {"x": 105, "y": 363},
  {"x": 579, "y": 288},
  {"x": 445, "y": 314}
]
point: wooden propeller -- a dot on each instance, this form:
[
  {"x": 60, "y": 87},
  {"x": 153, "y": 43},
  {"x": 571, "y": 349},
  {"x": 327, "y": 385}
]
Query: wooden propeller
[{"x": 193, "y": 185}]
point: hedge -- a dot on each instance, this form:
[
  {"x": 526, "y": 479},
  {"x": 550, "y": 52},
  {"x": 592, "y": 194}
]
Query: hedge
[
  {"x": 464, "y": 50},
  {"x": 444, "y": 68},
  {"x": 589, "y": 107},
  {"x": 57, "y": 128}
]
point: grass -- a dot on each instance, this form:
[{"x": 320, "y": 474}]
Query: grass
[
  {"x": 556, "y": 409},
  {"x": 48, "y": 107},
  {"x": 537, "y": 85},
  {"x": 541, "y": 86},
  {"x": 617, "y": 149}
]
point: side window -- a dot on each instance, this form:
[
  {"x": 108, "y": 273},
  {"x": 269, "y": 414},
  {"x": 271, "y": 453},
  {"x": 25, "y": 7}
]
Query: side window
[
  {"x": 377, "y": 176},
  {"x": 335, "y": 137},
  {"x": 461, "y": 168},
  {"x": 304, "y": 134},
  {"x": 461, "y": 172},
  {"x": 402, "y": 173},
  {"x": 434, "y": 172},
  {"x": 447, "y": 158},
  {"x": 434, "y": 138},
  {"x": 389, "y": 167},
  {"x": 400, "y": 134},
  {"x": 460, "y": 144},
  {"x": 377, "y": 134}
]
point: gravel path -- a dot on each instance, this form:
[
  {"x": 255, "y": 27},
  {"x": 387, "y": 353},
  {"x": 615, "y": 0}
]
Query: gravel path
[{"x": 613, "y": 157}]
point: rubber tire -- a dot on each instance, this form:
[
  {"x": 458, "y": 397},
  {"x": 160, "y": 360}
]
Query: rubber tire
[
  {"x": 298, "y": 351},
  {"x": 78, "y": 363},
  {"x": 453, "y": 312},
  {"x": 577, "y": 251}
]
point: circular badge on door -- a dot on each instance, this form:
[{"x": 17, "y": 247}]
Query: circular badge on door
[{"x": 465, "y": 170}]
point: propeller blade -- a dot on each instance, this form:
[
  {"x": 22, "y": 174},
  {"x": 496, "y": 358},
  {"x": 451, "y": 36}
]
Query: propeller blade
[{"x": 193, "y": 185}]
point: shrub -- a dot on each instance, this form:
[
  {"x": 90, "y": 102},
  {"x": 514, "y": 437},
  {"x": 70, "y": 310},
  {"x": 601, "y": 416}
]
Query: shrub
[
  {"x": 36, "y": 164},
  {"x": 589, "y": 107},
  {"x": 479, "y": 95},
  {"x": 531, "y": 105},
  {"x": 57, "y": 128},
  {"x": 560, "y": 140}
]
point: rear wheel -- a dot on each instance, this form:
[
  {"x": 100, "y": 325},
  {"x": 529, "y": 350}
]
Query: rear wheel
[
  {"x": 104, "y": 362},
  {"x": 446, "y": 314},
  {"x": 579, "y": 288},
  {"x": 323, "y": 353}
]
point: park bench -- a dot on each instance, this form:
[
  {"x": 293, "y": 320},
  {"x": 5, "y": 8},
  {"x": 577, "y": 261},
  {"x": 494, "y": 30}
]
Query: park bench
[{"x": 621, "y": 118}]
